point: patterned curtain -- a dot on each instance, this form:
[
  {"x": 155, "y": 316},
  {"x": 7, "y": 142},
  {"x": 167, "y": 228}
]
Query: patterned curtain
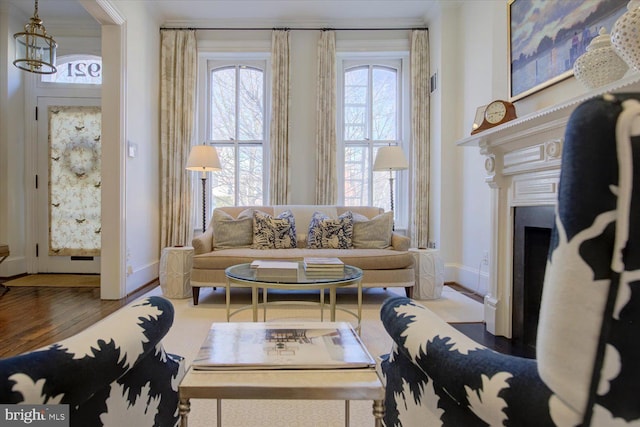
[
  {"x": 326, "y": 180},
  {"x": 178, "y": 68},
  {"x": 419, "y": 226},
  {"x": 279, "y": 134}
]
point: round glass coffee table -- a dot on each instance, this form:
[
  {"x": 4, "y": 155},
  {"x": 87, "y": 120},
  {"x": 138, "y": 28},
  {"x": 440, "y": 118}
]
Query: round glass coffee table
[{"x": 244, "y": 276}]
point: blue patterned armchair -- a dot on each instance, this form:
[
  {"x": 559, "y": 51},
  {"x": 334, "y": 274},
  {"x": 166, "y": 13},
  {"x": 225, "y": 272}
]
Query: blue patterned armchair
[
  {"x": 114, "y": 373},
  {"x": 587, "y": 367}
]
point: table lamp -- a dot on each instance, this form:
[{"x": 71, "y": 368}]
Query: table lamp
[{"x": 203, "y": 158}]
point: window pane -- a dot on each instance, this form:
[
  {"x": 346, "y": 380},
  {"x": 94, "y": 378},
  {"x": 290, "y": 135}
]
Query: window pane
[
  {"x": 384, "y": 88},
  {"x": 223, "y": 182},
  {"x": 356, "y": 176},
  {"x": 250, "y": 174},
  {"x": 381, "y": 188},
  {"x": 355, "y": 104},
  {"x": 251, "y": 99},
  {"x": 223, "y": 104}
]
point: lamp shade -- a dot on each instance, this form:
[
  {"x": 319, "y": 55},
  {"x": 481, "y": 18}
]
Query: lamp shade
[
  {"x": 390, "y": 158},
  {"x": 203, "y": 158}
]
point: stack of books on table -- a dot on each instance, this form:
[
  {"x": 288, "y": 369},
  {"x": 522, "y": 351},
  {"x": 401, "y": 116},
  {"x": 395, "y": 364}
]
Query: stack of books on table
[
  {"x": 275, "y": 269},
  {"x": 323, "y": 267}
]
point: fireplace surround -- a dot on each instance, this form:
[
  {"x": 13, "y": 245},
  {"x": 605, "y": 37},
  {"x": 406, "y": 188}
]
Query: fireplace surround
[{"x": 522, "y": 161}]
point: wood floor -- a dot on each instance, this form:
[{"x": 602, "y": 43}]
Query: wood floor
[{"x": 33, "y": 317}]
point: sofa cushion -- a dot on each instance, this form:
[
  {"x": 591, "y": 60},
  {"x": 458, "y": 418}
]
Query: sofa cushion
[
  {"x": 374, "y": 233},
  {"x": 329, "y": 233},
  {"x": 366, "y": 259},
  {"x": 233, "y": 232},
  {"x": 273, "y": 233}
]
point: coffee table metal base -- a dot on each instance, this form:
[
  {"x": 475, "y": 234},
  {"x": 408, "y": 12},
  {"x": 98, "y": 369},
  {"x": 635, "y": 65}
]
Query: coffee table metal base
[
  {"x": 321, "y": 384},
  {"x": 265, "y": 286}
]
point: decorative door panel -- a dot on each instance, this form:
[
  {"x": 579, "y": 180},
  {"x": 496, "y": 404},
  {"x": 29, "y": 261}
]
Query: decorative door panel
[
  {"x": 69, "y": 185},
  {"x": 74, "y": 181}
]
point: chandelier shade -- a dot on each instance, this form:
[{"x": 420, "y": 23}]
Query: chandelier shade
[{"x": 35, "y": 50}]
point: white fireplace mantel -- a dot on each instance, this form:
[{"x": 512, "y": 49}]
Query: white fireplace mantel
[{"x": 522, "y": 162}]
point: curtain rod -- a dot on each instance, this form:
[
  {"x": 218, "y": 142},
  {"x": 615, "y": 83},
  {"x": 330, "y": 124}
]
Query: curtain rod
[{"x": 288, "y": 29}]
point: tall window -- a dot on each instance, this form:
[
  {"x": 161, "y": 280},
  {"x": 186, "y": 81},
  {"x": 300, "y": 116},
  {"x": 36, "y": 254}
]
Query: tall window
[
  {"x": 236, "y": 127},
  {"x": 371, "y": 110}
]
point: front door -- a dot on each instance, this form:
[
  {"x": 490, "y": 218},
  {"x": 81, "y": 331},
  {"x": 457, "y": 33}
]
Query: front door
[{"x": 68, "y": 185}]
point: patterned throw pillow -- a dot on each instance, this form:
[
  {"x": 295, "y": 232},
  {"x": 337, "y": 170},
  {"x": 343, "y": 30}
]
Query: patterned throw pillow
[
  {"x": 328, "y": 233},
  {"x": 274, "y": 233},
  {"x": 230, "y": 232}
]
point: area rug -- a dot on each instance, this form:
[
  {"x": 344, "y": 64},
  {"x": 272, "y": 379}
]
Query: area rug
[
  {"x": 57, "y": 281},
  {"x": 191, "y": 324}
]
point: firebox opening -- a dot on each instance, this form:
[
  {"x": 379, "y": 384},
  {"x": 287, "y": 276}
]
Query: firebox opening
[{"x": 531, "y": 239}]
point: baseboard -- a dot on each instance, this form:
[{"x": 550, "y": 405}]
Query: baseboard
[
  {"x": 13, "y": 266},
  {"x": 466, "y": 291},
  {"x": 142, "y": 276},
  {"x": 476, "y": 281}
]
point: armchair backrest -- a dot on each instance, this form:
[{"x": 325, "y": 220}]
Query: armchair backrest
[{"x": 588, "y": 344}]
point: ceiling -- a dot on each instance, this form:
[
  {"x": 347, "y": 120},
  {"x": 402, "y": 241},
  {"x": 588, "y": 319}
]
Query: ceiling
[{"x": 234, "y": 13}]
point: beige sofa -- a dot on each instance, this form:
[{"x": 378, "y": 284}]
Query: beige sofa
[{"x": 382, "y": 255}]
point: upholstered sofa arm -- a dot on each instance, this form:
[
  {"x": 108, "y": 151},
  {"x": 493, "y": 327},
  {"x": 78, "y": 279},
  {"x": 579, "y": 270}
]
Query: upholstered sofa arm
[
  {"x": 112, "y": 371},
  {"x": 400, "y": 242},
  {"x": 460, "y": 373},
  {"x": 203, "y": 243}
]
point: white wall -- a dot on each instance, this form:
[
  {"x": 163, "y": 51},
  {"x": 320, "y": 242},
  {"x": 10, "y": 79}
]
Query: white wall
[
  {"x": 12, "y": 143},
  {"x": 446, "y": 186},
  {"x": 142, "y": 128},
  {"x": 486, "y": 57}
]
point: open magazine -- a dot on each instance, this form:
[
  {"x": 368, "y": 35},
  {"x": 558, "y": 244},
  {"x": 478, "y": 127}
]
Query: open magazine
[{"x": 308, "y": 345}]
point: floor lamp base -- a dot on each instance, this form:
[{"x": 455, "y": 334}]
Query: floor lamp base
[{"x": 204, "y": 201}]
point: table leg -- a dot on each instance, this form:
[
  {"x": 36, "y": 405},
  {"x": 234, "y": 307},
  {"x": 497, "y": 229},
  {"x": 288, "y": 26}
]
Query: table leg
[
  {"x": 322, "y": 305},
  {"x": 359, "y": 305},
  {"x": 332, "y": 302},
  {"x": 378, "y": 412},
  {"x": 184, "y": 408},
  {"x": 264, "y": 304},
  {"x": 347, "y": 415},
  {"x": 254, "y": 302},
  {"x": 228, "y": 297},
  {"x": 219, "y": 412}
]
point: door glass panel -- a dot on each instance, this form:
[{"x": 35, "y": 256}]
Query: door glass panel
[{"x": 74, "y": 181}]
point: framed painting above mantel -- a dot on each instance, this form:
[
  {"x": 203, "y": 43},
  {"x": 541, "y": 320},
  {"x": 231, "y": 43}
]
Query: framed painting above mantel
[{"x": 546, "y": 37}]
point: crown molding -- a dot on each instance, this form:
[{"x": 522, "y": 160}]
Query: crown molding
[
  {"x": 297, "y": 23},
  {"x": 103, "y": 11}
]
